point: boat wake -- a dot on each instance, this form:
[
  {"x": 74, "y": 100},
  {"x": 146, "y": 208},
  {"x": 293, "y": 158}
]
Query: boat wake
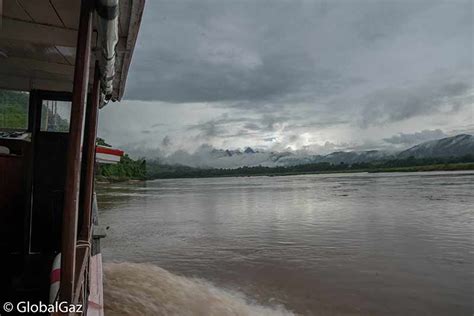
[{"x": 145, "y": 289}]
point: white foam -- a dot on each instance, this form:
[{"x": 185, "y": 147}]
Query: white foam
[{"x": 145, "y": 289}]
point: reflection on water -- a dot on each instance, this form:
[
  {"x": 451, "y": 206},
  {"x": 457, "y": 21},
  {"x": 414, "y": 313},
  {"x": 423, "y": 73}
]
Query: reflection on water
[{"x": 382, "y": 244}]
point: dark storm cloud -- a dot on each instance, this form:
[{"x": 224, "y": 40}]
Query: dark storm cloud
[
  {"x": 226, "y": 50},
  {"x": 244, "y": 73},
  {"x": 218, "y": 51},
  {"x": 265, "y": 55}
]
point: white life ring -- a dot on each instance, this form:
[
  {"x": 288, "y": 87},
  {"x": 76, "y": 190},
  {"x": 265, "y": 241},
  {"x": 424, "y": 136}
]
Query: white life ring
[{"x": 55, "y": 279}]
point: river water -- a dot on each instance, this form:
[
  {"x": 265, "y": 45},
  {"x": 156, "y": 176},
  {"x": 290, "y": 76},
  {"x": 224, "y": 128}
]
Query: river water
[{"x": 341, "y": 244}]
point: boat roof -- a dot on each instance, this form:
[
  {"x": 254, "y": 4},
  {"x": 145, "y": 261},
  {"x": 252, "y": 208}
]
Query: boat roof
[{"x": 38, "y": 43}]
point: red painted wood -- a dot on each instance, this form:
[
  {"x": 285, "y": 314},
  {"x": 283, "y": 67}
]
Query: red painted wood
[{"x": 109, "y": 151}]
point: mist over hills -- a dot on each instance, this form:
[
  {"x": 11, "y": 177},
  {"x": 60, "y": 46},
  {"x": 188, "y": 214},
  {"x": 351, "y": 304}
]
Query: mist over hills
[
  {"x": 209, "y": 157},
  {"x": 456, "y": 146}
]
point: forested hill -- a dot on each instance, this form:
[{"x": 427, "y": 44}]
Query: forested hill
[{"x": 126, "y": 169}]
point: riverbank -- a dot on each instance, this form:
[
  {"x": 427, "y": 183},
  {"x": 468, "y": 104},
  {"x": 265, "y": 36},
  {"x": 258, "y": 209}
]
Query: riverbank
[
  {"x": 437, "y": 167},
  {"x": 179, "y": 172},
  {"x": 281, "y": 171},
  {"x": 112, "y": 179}
]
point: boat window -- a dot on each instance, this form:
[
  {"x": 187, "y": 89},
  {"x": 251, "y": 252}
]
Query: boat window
[
  {"x": 55, "y": 116},
  {"x": 13, "y": 110}
]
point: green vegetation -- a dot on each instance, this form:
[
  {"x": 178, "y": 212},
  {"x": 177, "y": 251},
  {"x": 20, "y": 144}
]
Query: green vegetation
[
  {"x": 14, "y": 113},
  {"x": 126, "y": 169},
  {"x": 155, "y": 170},
  {"x": 13, "y": 110},
  {"x": 101, "y": 142},
  {"x": 438, "y": 167}
]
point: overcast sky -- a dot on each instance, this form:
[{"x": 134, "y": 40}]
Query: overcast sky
[{"x": 320, "y": 75}]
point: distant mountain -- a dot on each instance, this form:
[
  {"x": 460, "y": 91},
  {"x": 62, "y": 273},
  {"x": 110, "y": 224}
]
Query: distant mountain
[
  {"x": 355, "y": 157},
  {"x": 249, "y": 150},
  {"x": 456, "y": 146},
  {"x": 209, "y": 157}
]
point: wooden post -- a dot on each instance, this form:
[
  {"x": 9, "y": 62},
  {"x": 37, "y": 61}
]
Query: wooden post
[
  {"x": 71, "y": 193},
  {"x": 88, "y": 156},
  {"x": 34, "y": 114}
]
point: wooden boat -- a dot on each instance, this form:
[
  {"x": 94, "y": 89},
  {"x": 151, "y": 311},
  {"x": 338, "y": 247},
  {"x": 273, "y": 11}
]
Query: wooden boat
[{"x": 72, "y": 57}]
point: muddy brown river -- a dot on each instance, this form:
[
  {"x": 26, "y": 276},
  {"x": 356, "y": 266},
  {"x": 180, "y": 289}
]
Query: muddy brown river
[{"x": 343, "y": 244}]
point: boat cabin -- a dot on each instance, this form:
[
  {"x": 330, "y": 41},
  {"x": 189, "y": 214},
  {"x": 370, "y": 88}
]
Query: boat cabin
[{"x": 60, "y": 62}]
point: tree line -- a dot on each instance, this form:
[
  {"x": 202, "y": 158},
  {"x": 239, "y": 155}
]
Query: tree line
[
  {"x": 126, "y": 169},
  {"x": 155, "y": 170}
]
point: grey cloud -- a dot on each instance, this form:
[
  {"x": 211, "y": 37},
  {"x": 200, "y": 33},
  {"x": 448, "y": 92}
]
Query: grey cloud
[
  {"x": 262, "y": 50},
  {"x": 241, "y": 133},
  {"x": 208, "y": 129},
  {"x": 293, "y": 138},
  {"x": 166, "y": 141},
  {"x": 468, "y": 129},
  {"x": 272, "y": 122},
  {"x": 270, "y": 139},
  {"x": 252, "y": 126},
  {"x": 390, "y": 105},
  {"x": 263, "y": 123},
  {"x": 214, "y": 52},
  {"x": 327, "y": 122},
  {"x": 332, "y": 70},
  {"x": 415, "y": 138},
  {"x": 227, "y": 119},
  {"x": 216, "y": 127}
]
